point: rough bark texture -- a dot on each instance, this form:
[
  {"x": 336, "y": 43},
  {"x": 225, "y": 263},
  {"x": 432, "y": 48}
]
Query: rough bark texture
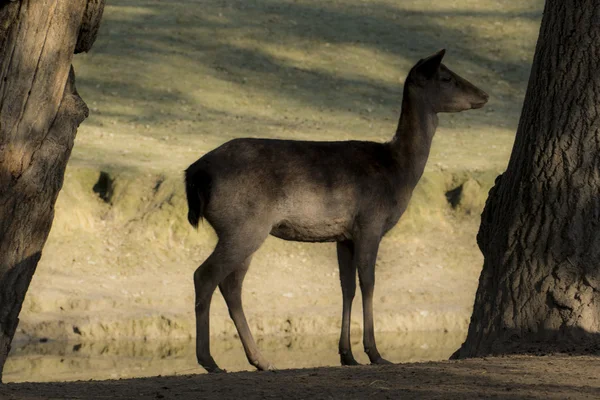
[
  {"x": 88, "y": 29},
  {"x": 39, "y": 114},
  {"x": 539, "y": 290}
]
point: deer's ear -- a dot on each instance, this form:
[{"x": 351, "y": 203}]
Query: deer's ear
[{"x": 427, "y": 67}]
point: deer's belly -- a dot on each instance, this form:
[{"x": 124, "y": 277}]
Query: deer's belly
[{"x": 331, "y": 230}]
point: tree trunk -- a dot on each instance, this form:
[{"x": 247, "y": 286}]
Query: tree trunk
[
  {"x": 39, "y": 114},
  {"x": 539, "y": 290}
]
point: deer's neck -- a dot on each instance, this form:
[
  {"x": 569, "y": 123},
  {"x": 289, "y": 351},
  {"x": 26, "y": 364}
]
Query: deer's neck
[{"x": 412, "y": 141}]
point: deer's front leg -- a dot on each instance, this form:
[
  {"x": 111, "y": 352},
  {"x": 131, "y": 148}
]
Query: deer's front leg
[
  {"x": 345, "y": 251},
  {"x": 365, "y": 255}
]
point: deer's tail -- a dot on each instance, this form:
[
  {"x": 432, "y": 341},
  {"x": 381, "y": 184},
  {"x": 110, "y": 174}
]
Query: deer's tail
[{"x": 197, "y": 189}]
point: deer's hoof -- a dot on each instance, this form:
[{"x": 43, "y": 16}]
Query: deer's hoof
[
  {"x": 381, "y": 361},
  {"x": 348, "y": 360},
  {"x": 263, "y": 366},
  {"x": 211, "y": 367},
  {"x": 215, "y": 370}
]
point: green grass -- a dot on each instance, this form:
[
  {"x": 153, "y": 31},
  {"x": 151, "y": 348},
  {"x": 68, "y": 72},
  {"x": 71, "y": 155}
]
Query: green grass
[{"x": 168, "y": 81}]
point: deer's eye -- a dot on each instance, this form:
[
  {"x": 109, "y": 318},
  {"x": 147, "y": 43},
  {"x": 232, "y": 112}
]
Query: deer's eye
[{"x": 446, "y": 78}]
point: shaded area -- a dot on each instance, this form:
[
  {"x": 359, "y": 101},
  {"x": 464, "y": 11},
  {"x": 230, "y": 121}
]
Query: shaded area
[
  {"x": 555, "y": 377},
  {"x": 104, "y": 187},
  {"x": 285, "y": 65}
]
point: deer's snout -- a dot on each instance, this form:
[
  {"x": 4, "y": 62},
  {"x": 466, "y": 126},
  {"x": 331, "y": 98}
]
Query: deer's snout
[{"x": 480, "y": 102}]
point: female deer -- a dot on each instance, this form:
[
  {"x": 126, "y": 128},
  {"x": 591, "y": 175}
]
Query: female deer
[{"x": 349, "y": 192}]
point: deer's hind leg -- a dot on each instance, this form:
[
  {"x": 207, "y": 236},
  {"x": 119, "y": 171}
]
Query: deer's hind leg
[
  {"x": 231, "y": 256},
  {"x": 345, "y": 253},
  {"x": 231, "y": 289}
]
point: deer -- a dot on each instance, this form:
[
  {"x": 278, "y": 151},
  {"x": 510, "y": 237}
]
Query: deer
[{"x": 348, "y": 192}]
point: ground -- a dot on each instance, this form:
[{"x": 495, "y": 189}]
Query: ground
[
  {"x": 169, "y": 80},
  {"x": 516, "y": 377}
]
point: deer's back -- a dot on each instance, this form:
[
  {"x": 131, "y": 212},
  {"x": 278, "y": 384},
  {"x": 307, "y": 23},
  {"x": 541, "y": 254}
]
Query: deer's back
[{"x": 307, "y": 191}]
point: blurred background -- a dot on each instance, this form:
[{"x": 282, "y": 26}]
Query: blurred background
[{"x": 167, "y": 81}]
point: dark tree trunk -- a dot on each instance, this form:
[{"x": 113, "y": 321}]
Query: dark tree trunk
[
  {"x": 539, "y": 290},
  {"x": 39, "y": 114}
]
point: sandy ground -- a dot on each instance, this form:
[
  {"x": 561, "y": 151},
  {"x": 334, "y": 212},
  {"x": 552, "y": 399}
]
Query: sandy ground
[
  {"x": 168, "y": 81},
  {"x": 556, "y": 377},
  {"x": 101, "y": 360}
]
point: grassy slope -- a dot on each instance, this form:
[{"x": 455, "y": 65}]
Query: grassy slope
[
  {"x": 181, "y": 77},
  {"x": 169, "y": 80}
]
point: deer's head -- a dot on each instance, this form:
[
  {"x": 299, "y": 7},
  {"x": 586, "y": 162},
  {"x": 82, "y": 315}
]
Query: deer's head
[{"x": 432, "y": 82}]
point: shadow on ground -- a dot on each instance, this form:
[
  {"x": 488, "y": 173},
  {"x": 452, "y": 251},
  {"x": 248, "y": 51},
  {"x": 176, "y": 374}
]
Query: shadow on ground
[
  {"x": 515, "y": 377},
  {"x": 217, "y": 60}
]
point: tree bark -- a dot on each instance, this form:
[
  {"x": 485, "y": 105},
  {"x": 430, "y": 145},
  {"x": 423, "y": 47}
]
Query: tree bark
[
  {"x": 40, "y": 111},
  {"x": 539, "y": 290}
]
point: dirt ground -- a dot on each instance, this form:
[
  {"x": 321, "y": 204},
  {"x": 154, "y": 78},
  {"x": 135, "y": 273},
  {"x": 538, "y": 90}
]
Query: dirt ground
[
  {"x": 168, "y": 81},
  {"x": 515, "y": 377}
]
